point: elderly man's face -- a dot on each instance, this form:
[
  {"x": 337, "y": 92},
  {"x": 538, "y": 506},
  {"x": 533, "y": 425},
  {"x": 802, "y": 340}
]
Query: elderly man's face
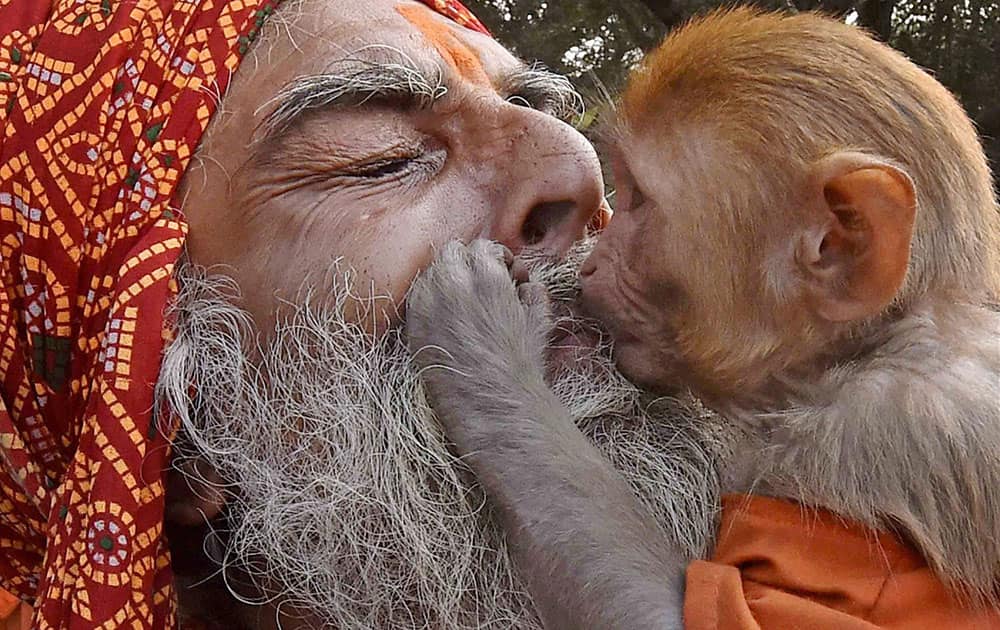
[{"x": 374, "y": 132}]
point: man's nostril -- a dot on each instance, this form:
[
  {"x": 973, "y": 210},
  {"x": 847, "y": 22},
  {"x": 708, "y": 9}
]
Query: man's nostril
[{"x": 544, "y": 219}]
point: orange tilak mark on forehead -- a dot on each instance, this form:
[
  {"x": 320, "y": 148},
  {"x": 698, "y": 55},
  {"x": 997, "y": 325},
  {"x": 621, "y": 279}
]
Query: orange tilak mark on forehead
[{"x": 462, "y": 59}]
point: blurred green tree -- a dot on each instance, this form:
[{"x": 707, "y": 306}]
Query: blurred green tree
[{"x": 597, "y": 41}]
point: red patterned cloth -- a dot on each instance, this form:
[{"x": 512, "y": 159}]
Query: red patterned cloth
[{"x": 101, "y": 105}]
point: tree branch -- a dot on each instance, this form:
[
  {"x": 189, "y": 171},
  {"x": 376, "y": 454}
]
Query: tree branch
[
  {"x": 667, "y": 11},
  {"x": 876, "y": 16}
]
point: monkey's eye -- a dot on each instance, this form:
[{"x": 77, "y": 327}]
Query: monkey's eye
[{"x": 629, "y": 197}]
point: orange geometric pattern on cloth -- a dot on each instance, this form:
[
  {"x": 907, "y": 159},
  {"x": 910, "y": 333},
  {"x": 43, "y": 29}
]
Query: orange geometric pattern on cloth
[{"x": 101, "y": 105}]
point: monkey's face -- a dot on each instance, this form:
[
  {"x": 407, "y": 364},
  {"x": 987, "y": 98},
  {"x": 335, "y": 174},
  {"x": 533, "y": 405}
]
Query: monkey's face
[
  {"x": 679, "y": 295},
  {"x": 631, "y": 280},
  {"x": 718, "y": 274}
]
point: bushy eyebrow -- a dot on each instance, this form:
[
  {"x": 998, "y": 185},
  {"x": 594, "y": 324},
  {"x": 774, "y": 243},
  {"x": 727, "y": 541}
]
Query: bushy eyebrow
[
  {"x": 403, "y": 85},
  {"x": 544, "y": 90},
  {"x": 351, "y": 82}
]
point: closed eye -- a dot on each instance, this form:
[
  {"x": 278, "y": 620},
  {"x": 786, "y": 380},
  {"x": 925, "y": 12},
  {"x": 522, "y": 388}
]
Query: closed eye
[
  {"x": 425, "y": 159},
  {"x": 636, "y": 199},
  {"x": 628, "y": 196},
  {"x": 381, "y": 168}
]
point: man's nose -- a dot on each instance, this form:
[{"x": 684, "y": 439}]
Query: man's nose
[{"x": 552, "y": 188}]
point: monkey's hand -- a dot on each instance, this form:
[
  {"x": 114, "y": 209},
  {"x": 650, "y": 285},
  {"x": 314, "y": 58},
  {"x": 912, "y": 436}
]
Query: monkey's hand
[
  {"x": 478, "y": 337},
  {"x": 591, "y": 555}
]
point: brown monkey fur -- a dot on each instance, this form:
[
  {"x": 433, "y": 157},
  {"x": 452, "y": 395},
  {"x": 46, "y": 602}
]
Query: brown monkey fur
[
  {"x": 808, "y": 237},
  {"x": 870, "y": 373},
  {"x": 738, "y": 107}
]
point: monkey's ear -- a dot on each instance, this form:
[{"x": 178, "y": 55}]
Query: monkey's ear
[{"x": 855, "y": 249}]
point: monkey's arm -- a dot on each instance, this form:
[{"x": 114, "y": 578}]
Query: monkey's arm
[{"x": 591, "y": 556}]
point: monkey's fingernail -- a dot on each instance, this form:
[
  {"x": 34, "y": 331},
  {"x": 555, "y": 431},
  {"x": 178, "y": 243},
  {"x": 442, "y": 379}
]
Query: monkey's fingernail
[
  {"x": 508, "y": 256},
  {"x": 519, "y": 270}
]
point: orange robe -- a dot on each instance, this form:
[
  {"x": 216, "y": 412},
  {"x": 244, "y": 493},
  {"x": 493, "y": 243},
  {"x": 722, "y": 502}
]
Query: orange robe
[
  {"x": 14, "y": 614},
  {"x": 780, "y": 566}
]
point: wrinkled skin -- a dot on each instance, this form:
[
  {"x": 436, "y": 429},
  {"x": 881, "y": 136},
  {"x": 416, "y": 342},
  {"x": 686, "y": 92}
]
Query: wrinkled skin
[
  {"x": 293, "y": 207},
  {"x": 375, "y": 187}
]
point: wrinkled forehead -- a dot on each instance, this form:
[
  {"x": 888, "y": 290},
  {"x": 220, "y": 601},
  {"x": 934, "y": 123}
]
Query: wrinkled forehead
[{"x": 386, "y": 30}]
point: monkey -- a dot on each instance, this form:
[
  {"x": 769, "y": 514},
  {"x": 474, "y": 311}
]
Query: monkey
[{"x": 807, "y": 237}]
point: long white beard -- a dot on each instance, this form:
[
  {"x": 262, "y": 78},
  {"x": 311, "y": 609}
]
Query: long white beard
[{"x": 345, "y": 499}]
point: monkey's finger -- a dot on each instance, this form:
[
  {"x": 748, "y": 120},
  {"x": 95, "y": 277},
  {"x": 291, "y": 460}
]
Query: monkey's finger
[
  {"x": 483, "y": 249},
  {"x": 508, "y": 256},
  {"x": 519, "y": 271},
  {"x": 426, "y": 294},
  {"x": 489, "y": 266}
]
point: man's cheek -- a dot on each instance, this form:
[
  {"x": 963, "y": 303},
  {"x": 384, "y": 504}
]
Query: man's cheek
[
  {"x": 382, "y": 276},
  {"x": 387, "y": 247}
]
